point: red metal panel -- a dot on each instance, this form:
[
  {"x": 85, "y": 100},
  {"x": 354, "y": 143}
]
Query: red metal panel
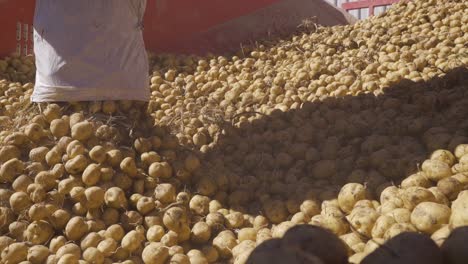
[
  {"x": 194, "y": 26},
  {"x": 367, "y": 4},
  {"x": 169, "y": 23},
  {"x": 16, "y": 25}
]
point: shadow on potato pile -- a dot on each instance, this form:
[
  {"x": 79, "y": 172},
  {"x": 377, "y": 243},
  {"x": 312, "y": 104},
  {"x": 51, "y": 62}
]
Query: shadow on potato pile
[
  {"x": 311, "y": 244},
  {"x": 101, "y": 181},
  {"x": 271, "y": 164}
]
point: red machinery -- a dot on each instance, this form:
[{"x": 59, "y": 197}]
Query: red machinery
[
  {"x": 370, "y": 4},
  {"x": 189, "y": 26}
]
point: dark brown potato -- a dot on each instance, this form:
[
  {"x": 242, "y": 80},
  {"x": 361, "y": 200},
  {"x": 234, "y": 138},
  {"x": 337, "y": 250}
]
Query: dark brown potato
[{"x": 406, "y": 248}]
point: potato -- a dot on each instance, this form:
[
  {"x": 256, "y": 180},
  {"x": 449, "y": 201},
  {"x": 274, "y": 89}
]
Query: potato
[
  {"x": 155, "y": 233},
  {"x": 98, "y": 154},
  {"x": 76, "y": 228},
  {"x": 36, "y": 193},
  {"x": 353, "y": 242},
  {"x": 399, "y": 228},
  {"x": 260, "y": 221},
  {"x": 131, "y": 241},
  {"x": 401, "y": 215},
  {"x": 444, "y": 156},
  {"x": 413, "y": 196},
  {"x": 19, "y": 201},
  {"x": 9, "y": 152},
  {"x": 68, "y": 258},
  {"x": 388, "y": 194},
  {"x": 176, "y": 250},
  {"x": 165, "y": 193},
  {"x": 210, "y": 253},
  {"x": 439, "y": 196},
  {"x": 436, "y": 170},
  {"x": 275, "y": 211},
  {"x": 6, "y": 218},
  {"x": 53, "y": 157},
  {"x": 34, "y": 132},
  {"x": 171, "y": 238},
  {"x": 373, "y": 244},
  {"x": 114, "y": 157},
  {"x": 224, "y": 242},
  {"x": 38, "y": 254},
  {"x": 191, "y": 163},
  {"x": 417, "y": 179},
  {"x": 59, "y": 127},
  {"x": 75, "y": 148},
  {"x": 337, "y": 224},
  {"x": 93, "y": 255},
  {"x": 315, "y": 241},
  {"x": 142, "y": 145},
  {"x": 76, "y": 165},
  {"x": 52, "y": 112},
  {"x": 5, "y": 242},
  {"x": 310, "y": 208},
  {"x": 215, "y": 221},
  {"x": 461, "y": 150},
  {"x": 154, "y": 253},
  {"x": 234, "y": 220},
  {"x": 56, "y": 243},
  {"x": 406, "y": 248},
  {"x": 10, "y": 169},
  {"x": 357, "y": 258},
  {"x": 149, "y": 158},
  {"x": 94, "y": 197},
  {"x": 179, "y": 259},
  {"x": 91, "y": 175},
  {"x": 115, "y": 232},
  {"x": 200, "y": 204},
  {"x": 15, "y": 253},
  {"x": 38, "y": 154},
  {"x": 38, "y": 232},
  {"x": 279, "y": 230},
  {"x": 16, "y": 230},
  {"x": 145, "y": 205},
  {"x": 245, "y": 246},
  {"x": 128, "y": 166},
  {"x": 459, "y": 215},
  {"x": 247, "y": 233},
  {"x": 82, "y": 131},
  {"x": 382, "y": 224},
  {"x": 90, "y": 240},
  {"x": 206, "y": 186},
  {"x": 200, "y": 233},
  {"x": 160, "y": 170},
  {"x": 429, "y": 216},
  {"x": 130, "y": 219},
  {"x": 114, "y": 197},
  {"x": 197, "y": 257},
  {"x": 363, "y": 219},
  {"x": 450, "y": 187},
  {"x": 350, "y": 194},
  {"x": 121, "y": 254},
  {"x": 441, "y": 235}
]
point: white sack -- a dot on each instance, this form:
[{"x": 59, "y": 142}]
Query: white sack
[{"x": 90, "y": 50}]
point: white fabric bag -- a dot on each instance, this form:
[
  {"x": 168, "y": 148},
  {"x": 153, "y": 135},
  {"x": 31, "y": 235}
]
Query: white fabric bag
[{"x": 90, "y": 50}]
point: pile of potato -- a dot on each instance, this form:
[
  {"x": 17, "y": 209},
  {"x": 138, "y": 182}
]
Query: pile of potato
[{"x": 359, "y": 129}]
